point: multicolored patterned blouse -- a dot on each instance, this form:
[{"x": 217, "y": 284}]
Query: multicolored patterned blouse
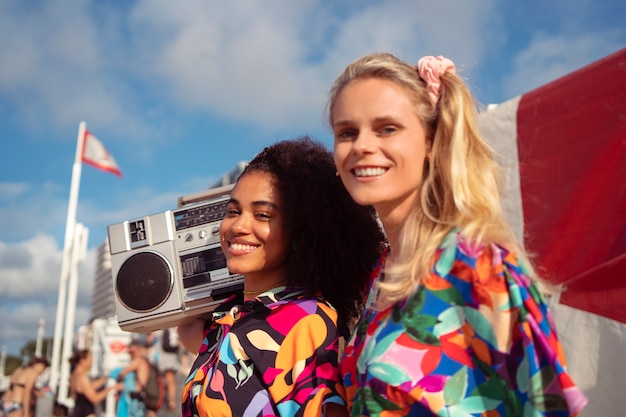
[
  {"x": 476, "y": 339},
  {"x": 274, "y": 356}
]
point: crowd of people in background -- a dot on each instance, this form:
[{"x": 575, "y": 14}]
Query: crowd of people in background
[
  {"x": 162, "y": 351},
  {"x": 88, "y": 391}
]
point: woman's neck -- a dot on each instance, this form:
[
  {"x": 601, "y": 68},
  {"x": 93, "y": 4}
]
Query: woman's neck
[
  {"x": 393, "y": 216},
  {"x": 253, "y": 286},
  {"x": 392, "y": 229}
]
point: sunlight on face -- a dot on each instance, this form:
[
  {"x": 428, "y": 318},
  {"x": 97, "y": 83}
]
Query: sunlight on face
[
  {"x": 252, "y": 233},
  {"x": 380, "y": 145}
]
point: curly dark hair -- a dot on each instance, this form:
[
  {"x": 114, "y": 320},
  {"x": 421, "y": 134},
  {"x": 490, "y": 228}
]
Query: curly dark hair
[{"x": 335, "y": 241}]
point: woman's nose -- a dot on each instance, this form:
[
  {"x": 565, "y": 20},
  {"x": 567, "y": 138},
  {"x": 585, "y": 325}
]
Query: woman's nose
[
  {"x": 365, "y": 142},
  {"x": 241, "y": 224}
]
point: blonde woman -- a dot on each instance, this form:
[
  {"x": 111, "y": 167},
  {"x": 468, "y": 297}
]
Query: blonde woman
[{"x": 455, "y": 323}]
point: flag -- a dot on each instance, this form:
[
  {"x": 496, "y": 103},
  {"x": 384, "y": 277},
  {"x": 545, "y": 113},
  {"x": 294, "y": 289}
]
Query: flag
[
  {"x": 95, "y": 154},
  {"x": 563, "y": 146},
  {"x": 569, "y": 175}
]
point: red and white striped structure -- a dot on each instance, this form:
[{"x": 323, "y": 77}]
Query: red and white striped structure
[{"x": 563, "y": 146}]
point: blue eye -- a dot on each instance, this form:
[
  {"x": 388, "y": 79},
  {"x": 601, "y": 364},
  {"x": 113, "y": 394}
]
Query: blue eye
[
  {"x": 388, "y": 130},
  {"x": 345, "y": 135}
]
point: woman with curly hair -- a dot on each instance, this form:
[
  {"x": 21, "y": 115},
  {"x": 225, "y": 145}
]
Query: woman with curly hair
[
  {"x": 455, "y": 324},
  {"x": 305, "y": 250}
]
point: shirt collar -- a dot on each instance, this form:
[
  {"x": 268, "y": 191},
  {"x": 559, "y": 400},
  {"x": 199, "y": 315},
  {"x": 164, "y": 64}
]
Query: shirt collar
[
  {"x": 270, "y": 299},
  {"x": 277, "y": 296}
]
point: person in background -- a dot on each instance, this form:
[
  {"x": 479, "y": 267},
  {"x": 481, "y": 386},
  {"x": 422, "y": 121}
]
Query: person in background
[
  {"x": 166, "y": 354},
  {"x": 19, "y": 399},
  {"x": 455, "y": 322},
  {"x": 87, "y": 392},
  {"x": 304, "y": 249},
  {"x": 139, "y": 366}
]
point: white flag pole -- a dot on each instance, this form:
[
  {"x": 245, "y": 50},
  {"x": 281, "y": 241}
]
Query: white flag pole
[
  {"x": 66, "y": 262},
  {"x": 40, "y": 332},
  {"x": 79, "y": 249},
  {"x": 3, "y": 361}
]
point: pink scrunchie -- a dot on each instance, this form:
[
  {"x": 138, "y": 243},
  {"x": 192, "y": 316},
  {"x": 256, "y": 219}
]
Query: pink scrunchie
[{"x": 430, "y": 69}]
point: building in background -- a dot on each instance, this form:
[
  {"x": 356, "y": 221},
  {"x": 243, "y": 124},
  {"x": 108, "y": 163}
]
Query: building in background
[
  {"x": 103, "y": 297},
  {"x": 231, "y": 176}
]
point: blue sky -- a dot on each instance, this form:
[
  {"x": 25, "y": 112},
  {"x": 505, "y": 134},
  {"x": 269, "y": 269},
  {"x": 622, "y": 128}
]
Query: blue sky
[{"x": 180, "y": 92}]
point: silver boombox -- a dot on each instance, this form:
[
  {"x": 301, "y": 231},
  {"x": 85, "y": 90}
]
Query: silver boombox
[{"x": 169, "y": 267}]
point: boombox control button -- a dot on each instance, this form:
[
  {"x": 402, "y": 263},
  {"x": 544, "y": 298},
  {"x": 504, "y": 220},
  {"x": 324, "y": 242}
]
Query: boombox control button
[
  {"x": 202, "y": 234},
  {"x": 188, "y": 237},
  {"x": 215, "y": 231}
]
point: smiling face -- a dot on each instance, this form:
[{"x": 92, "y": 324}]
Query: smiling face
[
  {"x": 380, "y": 145},
  {"x": 252, "y": 233}
]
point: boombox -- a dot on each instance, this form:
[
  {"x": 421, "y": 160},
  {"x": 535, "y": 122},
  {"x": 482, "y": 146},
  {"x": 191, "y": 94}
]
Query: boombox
[{"x": 169, "y": 267}]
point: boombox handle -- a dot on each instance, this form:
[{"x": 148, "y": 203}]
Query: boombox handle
[{"x": 204, "y": 195}]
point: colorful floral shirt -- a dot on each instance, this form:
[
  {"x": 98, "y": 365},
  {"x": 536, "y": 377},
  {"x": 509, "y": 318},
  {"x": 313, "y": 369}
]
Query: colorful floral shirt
[
  {"x": 476, "y": 339},
  {"x": 274, "y": 356}
]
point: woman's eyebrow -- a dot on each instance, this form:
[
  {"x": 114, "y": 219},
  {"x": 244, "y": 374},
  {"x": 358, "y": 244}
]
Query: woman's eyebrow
[
  {"x": 259, "y": 203},
  {"x": 264, "y": 203}
]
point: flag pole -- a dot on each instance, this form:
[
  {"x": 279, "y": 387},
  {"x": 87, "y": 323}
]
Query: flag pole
[
  {"x": 79, "y": 250},
  {"x": 40, "y": 332},
  {"x": 67, "y": 261}
]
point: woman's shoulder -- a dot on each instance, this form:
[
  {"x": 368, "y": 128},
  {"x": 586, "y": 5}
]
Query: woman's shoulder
[
  {"x": 478, "y": 262},
  {"x": 311, "y": 304},
  {"x": 79, "y": 377},
  {"x": 308, "y": 321},
  {"x": 305, "y": 311},
  {"x": 456, "y": 247},
  {"x": 28, "y": 374}
]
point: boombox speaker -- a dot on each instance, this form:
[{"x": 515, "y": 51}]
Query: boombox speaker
[{"x": 169, "y": 267}]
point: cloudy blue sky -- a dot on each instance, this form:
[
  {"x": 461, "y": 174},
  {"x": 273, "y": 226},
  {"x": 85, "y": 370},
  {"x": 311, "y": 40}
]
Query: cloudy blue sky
[{"x": 180, "y": 92}]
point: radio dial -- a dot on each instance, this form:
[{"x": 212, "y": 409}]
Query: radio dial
[
  {"x": 215, "y": 231},
  {"x": 188, "y": 237},
  {"x": 202, "y": 234}
]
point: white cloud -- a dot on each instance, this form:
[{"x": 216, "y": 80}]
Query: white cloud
[
  {"x": 39, "y": 208},
  {"x": 270, "y": 63},
  {"x": 240, "y": 60},
  {"x": 30, "y": 269},
  {"x": 20, "y": 325},
  {"x": 411, "y": 29},
  {"x": 57, "y": 71},
  {"x": 34, "y": 209},
  {"x": 549, "y": 57},
  {"x": 12, "y": 190},
  {"x": 29, "y": 288}
]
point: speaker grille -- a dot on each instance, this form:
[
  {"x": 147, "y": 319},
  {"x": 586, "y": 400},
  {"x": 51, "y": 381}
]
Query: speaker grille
[{"x": 144, "y": 282}]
